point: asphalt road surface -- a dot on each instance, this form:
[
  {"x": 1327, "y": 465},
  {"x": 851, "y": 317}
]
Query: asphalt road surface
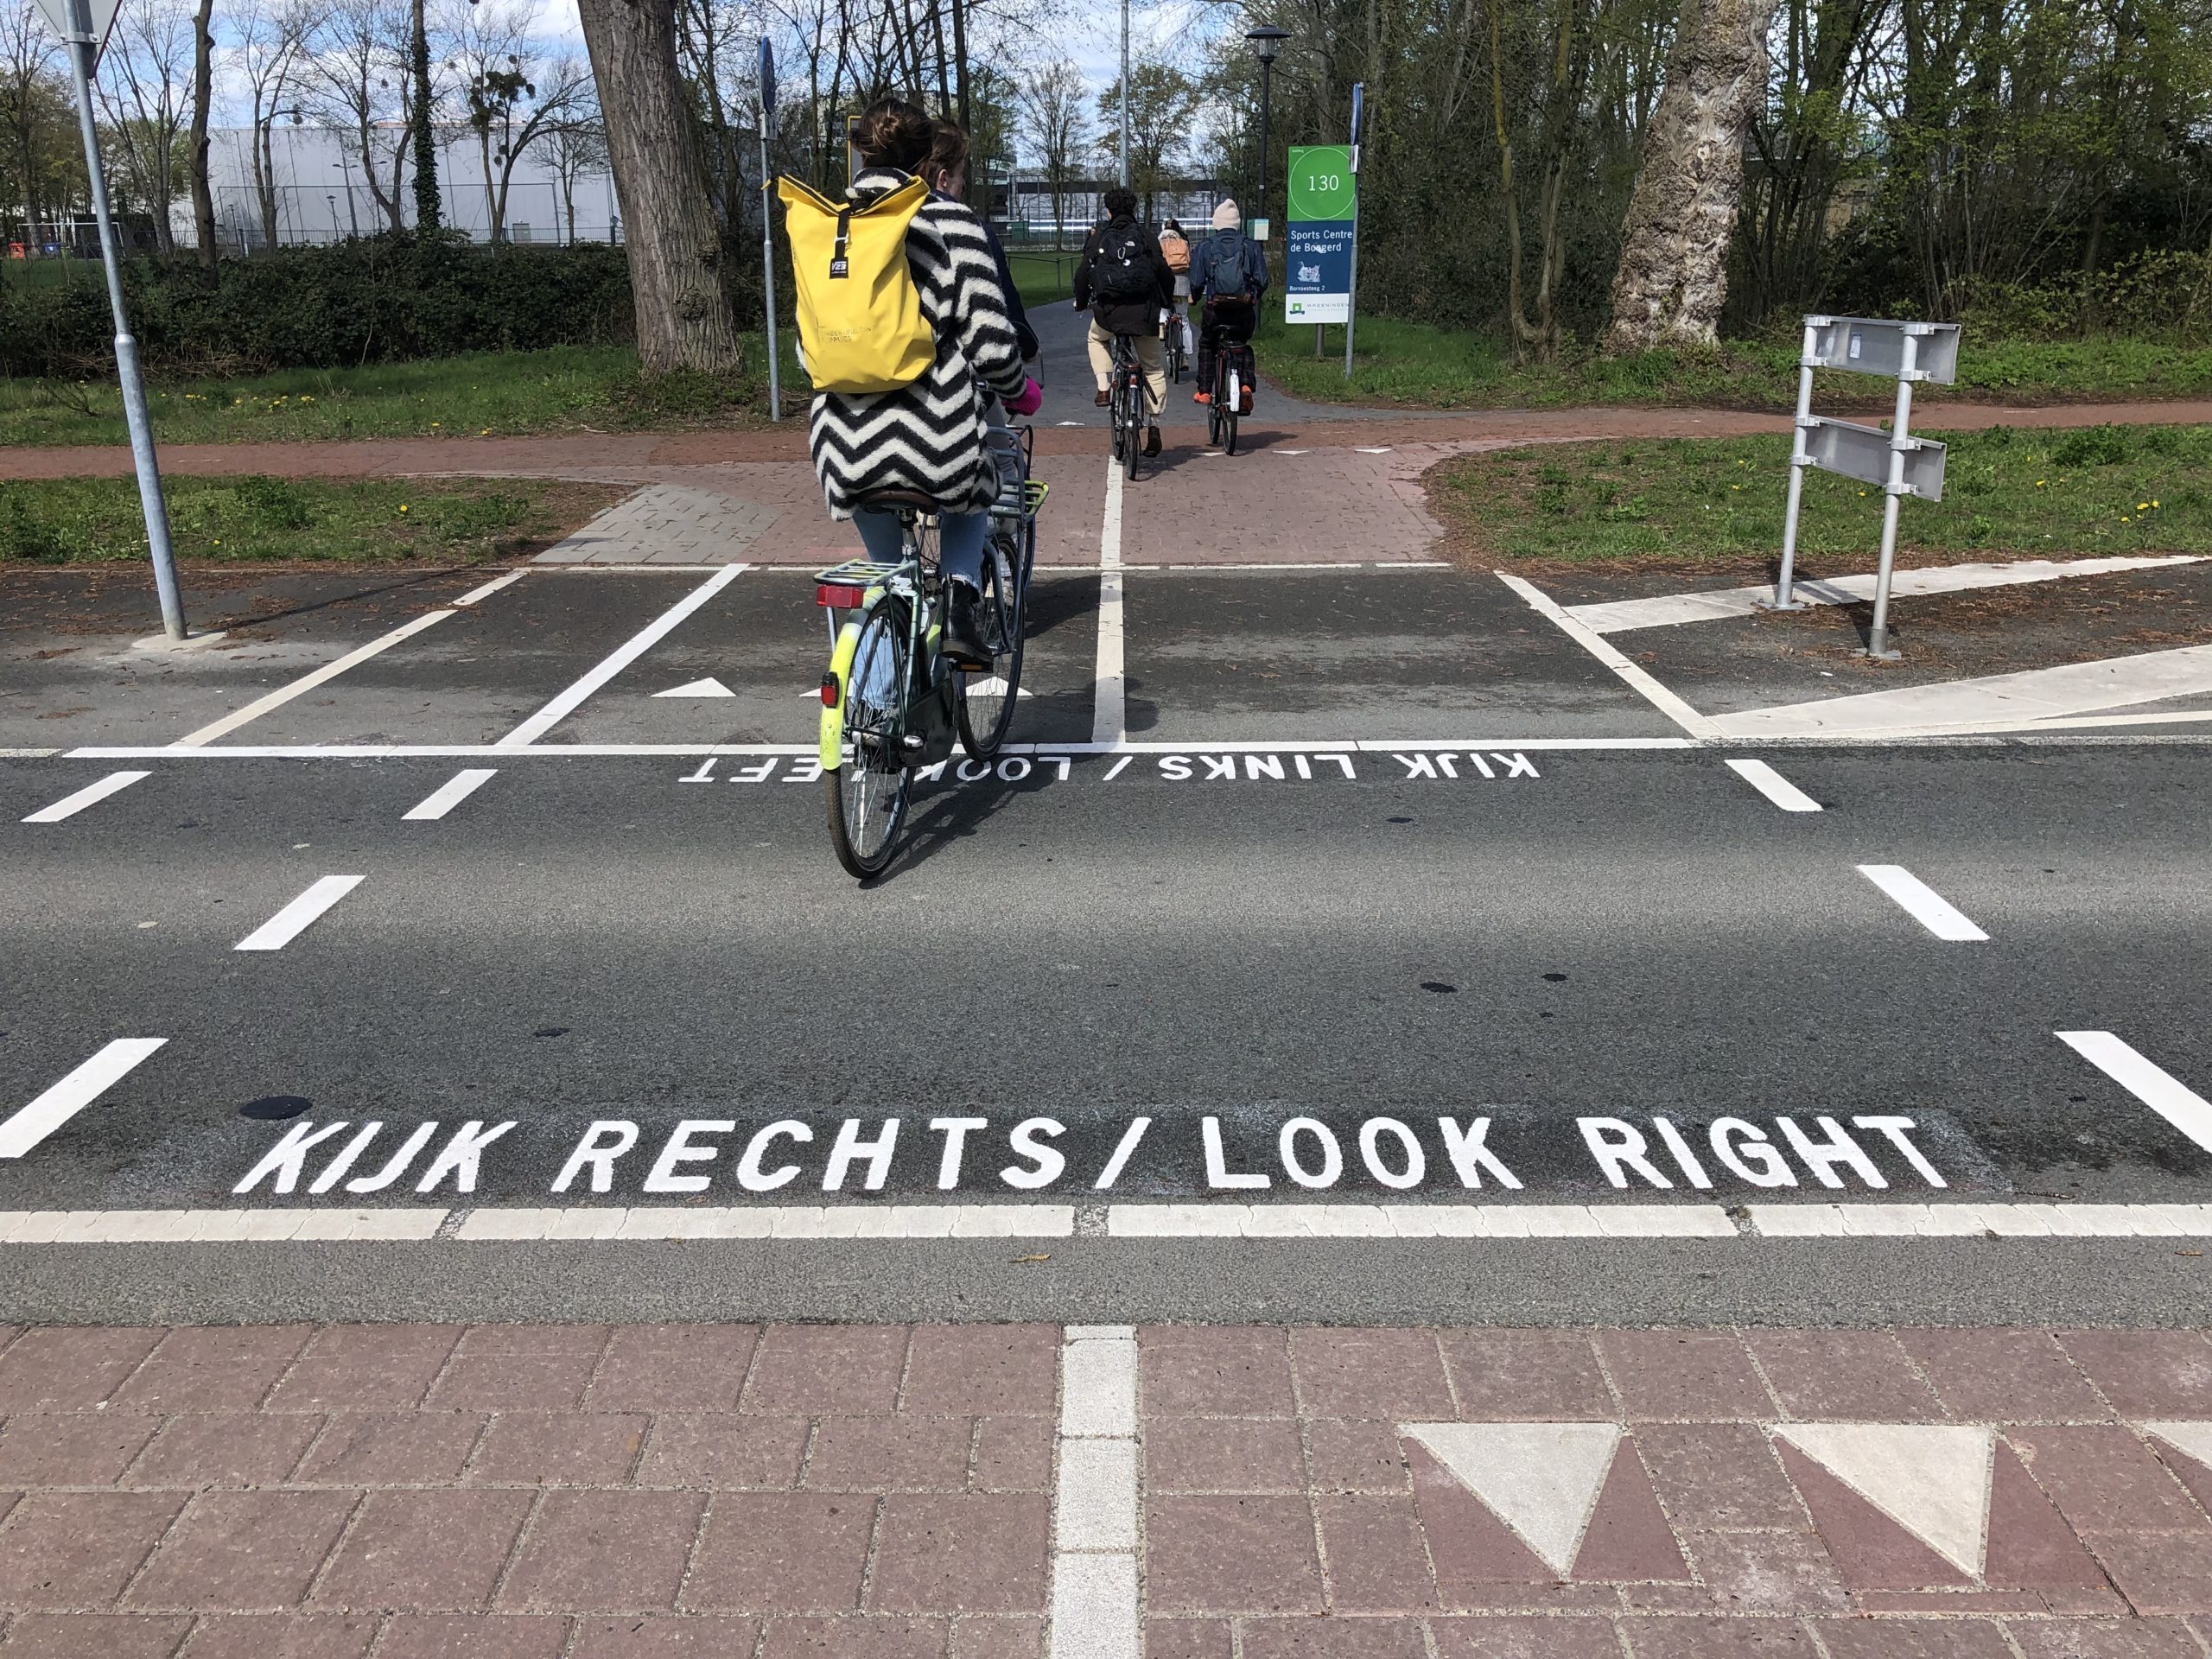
[{"x": 1385, "y": 901}]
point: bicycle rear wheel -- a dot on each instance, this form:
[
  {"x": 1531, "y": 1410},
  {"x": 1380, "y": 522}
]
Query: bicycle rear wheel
[
  {"x": 987, "y": 699},
  {"x": 866, "y": 792},
  {"x": 1133, "y": 443}
]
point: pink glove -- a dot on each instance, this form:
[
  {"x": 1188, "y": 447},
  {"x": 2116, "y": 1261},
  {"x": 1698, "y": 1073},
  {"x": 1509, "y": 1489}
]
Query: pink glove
[{"x": 1030, "y": 400}]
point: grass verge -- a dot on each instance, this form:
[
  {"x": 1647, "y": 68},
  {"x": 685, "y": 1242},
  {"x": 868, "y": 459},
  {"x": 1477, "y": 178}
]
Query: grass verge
[
  {"x": 487, "y": 394},
  {"x": 1418, "y": 366},
  {"x": 255, "y": 519},
  {"x": 2077, "y": 492}
]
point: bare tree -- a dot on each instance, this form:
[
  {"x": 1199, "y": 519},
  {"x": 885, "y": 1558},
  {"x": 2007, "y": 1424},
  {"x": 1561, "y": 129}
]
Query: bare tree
[
  {"x": 683, "y": 315},
  {"x": 576, "y": 149},
  {"x": 1162, "y": 104},
  {"x": 203, "y": 100},
  {"x": 144, "y": 91},
  {"x": 30, "y": 59},
  {"x": 1056, "y": 123},
  {"x": 355, "y": 77},
  {"x": 265, "y": 57},
  {"x": 1674, "y": 268},
  {"x": 509, "y": 112}
]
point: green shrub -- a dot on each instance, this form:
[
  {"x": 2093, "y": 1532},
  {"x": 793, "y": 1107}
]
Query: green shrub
[{"x": 370, "y": 300}]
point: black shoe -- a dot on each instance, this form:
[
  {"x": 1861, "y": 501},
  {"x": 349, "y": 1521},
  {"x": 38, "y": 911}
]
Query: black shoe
[
  {"x": 1151, "y": 440},
  {"x": 964, "y": 636}
]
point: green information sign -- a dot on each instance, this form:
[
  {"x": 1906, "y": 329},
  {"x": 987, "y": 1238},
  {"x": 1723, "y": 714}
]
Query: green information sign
[{"x": 1323, "y": 205}]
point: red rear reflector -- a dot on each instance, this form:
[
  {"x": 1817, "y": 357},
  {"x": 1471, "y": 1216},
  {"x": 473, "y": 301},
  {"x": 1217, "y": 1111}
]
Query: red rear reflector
[
  {"x": 839, "y": 595},
  {"x": 829, "y": 690}
]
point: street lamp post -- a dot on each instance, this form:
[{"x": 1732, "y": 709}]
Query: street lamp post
[
  {"x": 1125, "y": 94},
  {"x": 1266, "y": 40}
]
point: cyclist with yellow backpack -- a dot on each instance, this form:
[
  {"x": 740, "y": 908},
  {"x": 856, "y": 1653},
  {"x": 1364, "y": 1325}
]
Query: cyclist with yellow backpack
[{"x": 905, "y": 330}]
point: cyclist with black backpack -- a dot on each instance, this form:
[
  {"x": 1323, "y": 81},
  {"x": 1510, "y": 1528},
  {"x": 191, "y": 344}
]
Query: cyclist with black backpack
[
  {"x": 1123, "y": 280},
  {"x": 1229, "y": 272}
]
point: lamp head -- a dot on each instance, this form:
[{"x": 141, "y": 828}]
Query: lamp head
[{"x": 1267, "y": 40}]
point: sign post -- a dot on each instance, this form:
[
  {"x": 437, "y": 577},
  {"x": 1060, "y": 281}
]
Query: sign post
[
  {"x": 1320, "y": 206},
  {"x": 84, "y": 25},
  {"x": 1351, "y": 276},
  {"x": 767, "y": 107},
  {"x": 1901, "y": 464}
]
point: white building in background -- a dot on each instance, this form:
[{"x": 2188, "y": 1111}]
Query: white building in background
[{"x": 321, "y": 195}]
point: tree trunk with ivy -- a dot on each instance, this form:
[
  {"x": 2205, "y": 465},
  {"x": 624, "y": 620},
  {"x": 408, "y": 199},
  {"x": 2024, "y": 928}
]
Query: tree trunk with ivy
[
  {"x": 675, "y": 245},
  {"x": 1674, "y": 268},
  {"x": 203, "y": 74},
  {"x": 429, "y": 208}
]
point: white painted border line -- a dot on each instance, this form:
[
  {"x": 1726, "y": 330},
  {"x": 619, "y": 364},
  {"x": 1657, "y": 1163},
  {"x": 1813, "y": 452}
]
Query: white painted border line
[
  {"x": 449, "y": 794},
  {"x": 1773, "y": 784},
  {"x": 297, "y": 916},
  {"x": 27, "y": 754},
  {"x": 1970, "y": 1220},
  {"x": 91, "y": 795},
  {"x": 1658, "y": 696},
  {"x": 774, "y": 1221},
  {"x": 2159, "y": 1090},
  {"x": 1109, "y": 679},
  {"x": 916, "y": 1222},
  {"x": 1296, "y": 1221},
  {"x": 306, "y": 683},
  {"x": 34, "y": 1122},
  {"x": 476, "y": 595},
  {"x": 217, "y": 1226},
  {"x": 1094, "y": 1600},
  {"x": 1923, "y": 903},
  {"x": 636, "y": 646}
]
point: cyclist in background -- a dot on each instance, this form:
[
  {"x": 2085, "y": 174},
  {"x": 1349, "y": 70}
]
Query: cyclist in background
[
  {"x": 1122, "y": 280},
  {"x": 1175, "y": 248},
  {"x": 1229, "y": 273}
]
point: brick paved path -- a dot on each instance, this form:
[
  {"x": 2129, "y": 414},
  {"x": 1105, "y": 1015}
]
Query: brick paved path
[{"x": 405, "y": 1491}]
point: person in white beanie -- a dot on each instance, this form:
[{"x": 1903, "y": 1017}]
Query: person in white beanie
[{"x": 1229, "y": 272}]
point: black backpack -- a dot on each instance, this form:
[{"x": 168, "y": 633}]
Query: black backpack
[
  {"x": 1122, "y": 271},
  {"x": 1223, "y": 258}
]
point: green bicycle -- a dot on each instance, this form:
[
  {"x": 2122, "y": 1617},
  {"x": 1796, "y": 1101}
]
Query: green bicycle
[{"x": 892, "y": 700}]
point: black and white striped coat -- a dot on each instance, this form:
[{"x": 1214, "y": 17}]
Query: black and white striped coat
[{"x": 929, "y": 435}]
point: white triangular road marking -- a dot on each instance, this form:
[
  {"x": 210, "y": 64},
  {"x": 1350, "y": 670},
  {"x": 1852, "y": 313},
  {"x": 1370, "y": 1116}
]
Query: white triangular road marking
[
  {"x": 2194, "y": 1438},
  {"x": 996, "y": 687},
  {"x": 706, "y": 688},
  {"x": 1541, "y": 1479},
  {"x": 1932, "y": 1478}
]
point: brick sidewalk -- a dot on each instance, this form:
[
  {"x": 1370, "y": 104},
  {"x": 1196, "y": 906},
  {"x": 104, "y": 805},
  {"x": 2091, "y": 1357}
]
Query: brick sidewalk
[{"x": 568, "y": 1492}]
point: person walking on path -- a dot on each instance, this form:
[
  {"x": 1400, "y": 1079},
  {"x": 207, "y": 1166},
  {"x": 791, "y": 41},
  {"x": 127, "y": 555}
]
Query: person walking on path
[
  {"x": 1123, "y": 280},
  {"x": 1229, "y": 274}
]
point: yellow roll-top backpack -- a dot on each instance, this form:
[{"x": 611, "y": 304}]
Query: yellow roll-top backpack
[{"x": 860, "y": 316}]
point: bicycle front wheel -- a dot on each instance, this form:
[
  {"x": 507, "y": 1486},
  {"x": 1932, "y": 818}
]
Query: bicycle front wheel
[
  {"x": 987, "y": 699},
  {"x": 866, "y": 792}
]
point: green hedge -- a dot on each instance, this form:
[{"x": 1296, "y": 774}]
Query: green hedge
[{"x": 376, "y": 299}]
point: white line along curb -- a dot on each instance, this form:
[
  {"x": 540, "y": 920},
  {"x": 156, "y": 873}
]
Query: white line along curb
[
  {"x": 1094, "y": 1596},
  {"x": 870, "y": 1223}
]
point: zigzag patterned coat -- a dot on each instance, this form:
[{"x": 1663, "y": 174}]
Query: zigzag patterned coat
[{"x": 929, "y": 435}]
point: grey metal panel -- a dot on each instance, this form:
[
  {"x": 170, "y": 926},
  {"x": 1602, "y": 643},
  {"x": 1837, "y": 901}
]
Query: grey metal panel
[
  {"x": 1871, "y": 346},
  {"x": 1863, "y": 453}
]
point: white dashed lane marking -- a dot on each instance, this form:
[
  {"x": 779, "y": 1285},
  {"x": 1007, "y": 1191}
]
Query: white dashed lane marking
[
  {"x": 297, "y": 916},
  {"x": 2159, "y": 1090},
  {"x": 1773, "y": 784},
  {"x": 73, "y": 1093},
  {"x": 449, "y": 794},
  {"x": 1923, "y": 903},
  {"x": 1094, "y": 1600},
  {"x": 91, "y": 795}
]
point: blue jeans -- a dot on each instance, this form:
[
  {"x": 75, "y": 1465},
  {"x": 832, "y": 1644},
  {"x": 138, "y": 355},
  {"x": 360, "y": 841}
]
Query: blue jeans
[{"x": 960, "y": 542}]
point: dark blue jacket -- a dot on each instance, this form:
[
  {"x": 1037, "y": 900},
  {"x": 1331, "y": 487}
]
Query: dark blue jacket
[{"x": 1255, "y": 265}]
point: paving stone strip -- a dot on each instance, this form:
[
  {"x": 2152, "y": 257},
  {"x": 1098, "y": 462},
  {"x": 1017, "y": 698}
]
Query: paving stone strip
[{"x": 403, "y": 1492}]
